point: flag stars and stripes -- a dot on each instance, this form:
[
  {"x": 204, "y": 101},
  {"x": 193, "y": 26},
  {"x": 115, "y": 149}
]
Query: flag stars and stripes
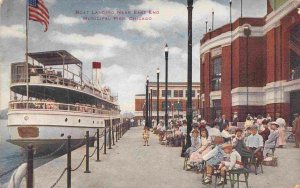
[{"x": 38, "y": 12}]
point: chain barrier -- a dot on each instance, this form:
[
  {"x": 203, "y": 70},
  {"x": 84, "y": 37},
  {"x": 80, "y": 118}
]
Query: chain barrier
[
  {"x": 96, "y": 150},
  {"x": 53, "y": 153},
  {"x": 79, "y": 164},
  {"x": 59, "y": 178}
]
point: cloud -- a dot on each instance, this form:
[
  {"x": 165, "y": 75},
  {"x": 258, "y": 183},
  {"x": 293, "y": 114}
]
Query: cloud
[
  {"x": 174, "y": 15},
  {"x": 93, "y": 40},
  {"x": 13, "y": 31},
  {"x": 93, "y": 54},
  {"x": 66, "y": 20},
  {"x": 118, "y": 78}
]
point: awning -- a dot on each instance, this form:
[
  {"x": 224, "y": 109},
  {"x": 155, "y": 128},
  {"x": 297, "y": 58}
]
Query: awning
[{"x": 55, "y": 58}]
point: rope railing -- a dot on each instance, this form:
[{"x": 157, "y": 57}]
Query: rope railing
[
  {"x": 78, "y": 166},
  {"x": 119, "y": 129},
  {"x": 59, "y": 178}
]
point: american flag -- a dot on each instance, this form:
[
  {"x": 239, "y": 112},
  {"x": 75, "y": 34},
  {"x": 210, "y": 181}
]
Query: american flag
[{"x": 38, "y": 12}]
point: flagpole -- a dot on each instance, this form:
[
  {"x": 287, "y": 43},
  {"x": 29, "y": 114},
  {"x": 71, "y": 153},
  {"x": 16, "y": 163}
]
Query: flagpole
[{"x": 26, "y": 55}]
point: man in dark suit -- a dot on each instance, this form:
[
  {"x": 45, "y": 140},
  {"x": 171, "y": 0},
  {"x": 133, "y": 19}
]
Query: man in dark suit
[{"x": 223, "y": 122}]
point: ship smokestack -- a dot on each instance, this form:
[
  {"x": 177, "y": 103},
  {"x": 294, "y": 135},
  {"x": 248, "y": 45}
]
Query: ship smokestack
[{"x": 97, "y": 74}]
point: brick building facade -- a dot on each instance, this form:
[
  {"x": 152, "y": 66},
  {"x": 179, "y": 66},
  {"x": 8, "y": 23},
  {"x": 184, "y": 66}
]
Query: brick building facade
[
  {"x": 176, "y": 100},
  {"x": 257, "y": 73}
]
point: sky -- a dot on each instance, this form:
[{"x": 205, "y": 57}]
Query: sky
[{"x": 129, "y": 50}]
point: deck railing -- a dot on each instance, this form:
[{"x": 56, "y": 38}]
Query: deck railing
[
  {"x": 54, "y": 106},
  {"x": 51, "y": 77}
]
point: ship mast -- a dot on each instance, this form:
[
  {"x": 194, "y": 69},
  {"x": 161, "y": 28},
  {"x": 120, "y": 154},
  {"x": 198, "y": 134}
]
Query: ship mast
[{"x": 26, "y": 56}]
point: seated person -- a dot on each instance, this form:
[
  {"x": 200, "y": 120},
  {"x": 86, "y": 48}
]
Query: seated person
[
  {"x": 272, "y": 139},
  {"x": 225, "y": 134},
  {"x": 205, "y": 146},
  {"x": 213, "y": 158},
  {"x": 266, "y": 131},
  {"x": 239, "y": 145},
  {"x": 255, "y": 143},
  {"x": 247, "y": 133},
  {"x": 233, "y": 162},
  {"x": 195, "y": 140}
]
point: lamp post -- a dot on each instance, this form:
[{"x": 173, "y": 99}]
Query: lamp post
[
  {"x": 157, "y": 97},
  {"x": 206, "y": 21},
  {"x": 247, "y": 33},
  {"x": 189, "y": 110},
  {"x": 198, "y": 103},
  {"x": 212, "y": 19},
  {"x": 178, "y": 108},
  {"x": 151, "y": 106},
  {"x": 241, "y": 8},
  {"x": 231, "y": 63},
  {"x": 172, "y": 111},
  {"x": 147, "y": 103},
  {"x": 166, "y": 87}
]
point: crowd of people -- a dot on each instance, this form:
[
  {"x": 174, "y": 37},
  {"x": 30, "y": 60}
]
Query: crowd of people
[{"x": 224, "y": 145}]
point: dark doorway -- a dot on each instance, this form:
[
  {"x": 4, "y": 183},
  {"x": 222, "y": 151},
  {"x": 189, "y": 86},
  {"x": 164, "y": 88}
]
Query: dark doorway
[{"x": 294, "y": 103}]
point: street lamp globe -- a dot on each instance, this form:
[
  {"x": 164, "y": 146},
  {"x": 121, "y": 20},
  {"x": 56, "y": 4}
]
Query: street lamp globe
[
  {"x": 247, "y": 30},
  {"x": 166, "y": 48},
  {"x": 157, "y": 71},
  {"x": 147, "y": 78}
]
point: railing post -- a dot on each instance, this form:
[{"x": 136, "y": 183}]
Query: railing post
[
  {"x": 69, "y": 162},
  {"x": 120, "y": 132},
  {"x": 98, "y": 146},
  {"x": 109, "y": 137},
  {"x": 104, "y": 150},
  {"x": 87, "y": 153},
  {"x": 30, "y": 166},
  {"x": 113, "y": 136}
]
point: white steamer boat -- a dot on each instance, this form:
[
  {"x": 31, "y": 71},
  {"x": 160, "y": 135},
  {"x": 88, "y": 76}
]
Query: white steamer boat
[{"x": 60, "y": 102}]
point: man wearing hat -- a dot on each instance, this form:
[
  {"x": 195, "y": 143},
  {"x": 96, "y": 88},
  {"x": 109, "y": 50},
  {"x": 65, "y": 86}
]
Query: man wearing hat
[
  {"x": 272, "y": 139},
  {"x": 255, "y": 142}
]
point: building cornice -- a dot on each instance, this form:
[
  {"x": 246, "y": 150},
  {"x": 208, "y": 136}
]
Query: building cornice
[{"x": 272, "y": 21}]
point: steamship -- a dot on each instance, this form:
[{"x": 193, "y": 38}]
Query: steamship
[{"x": 51, "y": 98}]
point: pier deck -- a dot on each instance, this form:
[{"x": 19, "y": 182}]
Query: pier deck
[{"x": 131, "y": 165}]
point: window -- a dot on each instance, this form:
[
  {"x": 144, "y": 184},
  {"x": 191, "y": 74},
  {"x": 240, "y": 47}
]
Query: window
[
  {"x": 216, "y": 109},
  {"x": 154, "y": 106},
  {"x": 193, "y": 93},
  {"x": 164, "y": 105},
  {"x": 164, "y": 92},
  {"x": 178, "y": 93},
  {"x": 154, "y": 93},
  {"x": 217, "y": 74}
]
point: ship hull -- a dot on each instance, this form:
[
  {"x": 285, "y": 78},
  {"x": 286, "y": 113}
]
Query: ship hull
[{"x": 48, "y": 131}]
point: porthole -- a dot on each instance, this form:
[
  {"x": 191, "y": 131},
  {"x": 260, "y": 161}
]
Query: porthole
[
  {"x": 93, "y": 122},
  {"x": 79, "y": 121},
  {"x": 26, "y": 118},
  {"x": 66, "y": 119}
]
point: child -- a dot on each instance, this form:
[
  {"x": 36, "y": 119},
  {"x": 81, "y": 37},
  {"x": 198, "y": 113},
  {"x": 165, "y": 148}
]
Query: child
[
  {"x": 195, "y": 140},
  {"x": 213, "y": 158},
  {"x": 146, "y": 135},
  {"x": 234, "y": 162}
]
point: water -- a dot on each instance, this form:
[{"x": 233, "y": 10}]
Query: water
[{"x": 12, "y": 155}]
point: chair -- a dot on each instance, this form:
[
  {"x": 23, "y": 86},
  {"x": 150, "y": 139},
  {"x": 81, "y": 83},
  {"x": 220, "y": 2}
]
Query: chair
[
  {"x": 256, "y": 162},
  {"x": 186, "y": 159},
  {"x": 234, "y": 177}
]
